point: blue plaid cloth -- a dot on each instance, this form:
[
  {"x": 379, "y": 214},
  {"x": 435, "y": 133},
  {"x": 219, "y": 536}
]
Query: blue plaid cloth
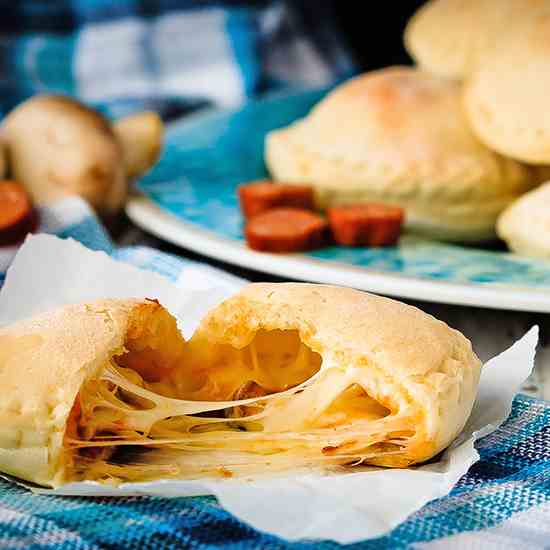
[
  {"x": 171, "y": 56},
  {"x": 502, "y": 502}
]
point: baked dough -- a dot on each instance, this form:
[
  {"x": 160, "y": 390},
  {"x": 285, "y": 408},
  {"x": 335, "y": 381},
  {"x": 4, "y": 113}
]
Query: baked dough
[
  {"x": 423, "y": 373},
  {"x": 450, "y": 37},
  {"x": 290, "y": 376},
  {"x": 399, "y": 136},
  {"x": 506, "y": 97},
  {"x": 525, "y": 224},
  {"x": 44, "y": 362}
]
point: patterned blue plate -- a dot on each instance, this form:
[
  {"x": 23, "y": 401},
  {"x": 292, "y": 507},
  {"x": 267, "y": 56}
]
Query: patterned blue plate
[{"x": 190, "y": 199}]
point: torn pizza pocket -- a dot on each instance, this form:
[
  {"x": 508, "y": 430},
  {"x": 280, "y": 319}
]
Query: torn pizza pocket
[{"x": 279, "y": 377}]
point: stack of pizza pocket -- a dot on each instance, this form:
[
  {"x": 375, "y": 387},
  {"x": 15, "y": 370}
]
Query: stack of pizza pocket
[{"x": 454, "y": 142}]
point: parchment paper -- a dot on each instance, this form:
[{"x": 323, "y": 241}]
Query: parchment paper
[{"x": 48, "y": 272}]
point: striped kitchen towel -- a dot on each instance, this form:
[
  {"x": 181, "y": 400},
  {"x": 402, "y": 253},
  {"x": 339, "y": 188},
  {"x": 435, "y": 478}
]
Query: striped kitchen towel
[
  {"x": 171, "y": 56},
  {"x": 502, "y": 502}
]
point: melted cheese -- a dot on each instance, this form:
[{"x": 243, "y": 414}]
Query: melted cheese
[{"x": 328, "y": 419}]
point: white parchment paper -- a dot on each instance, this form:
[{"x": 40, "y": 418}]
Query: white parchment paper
[{"x": 49, "y": 272}]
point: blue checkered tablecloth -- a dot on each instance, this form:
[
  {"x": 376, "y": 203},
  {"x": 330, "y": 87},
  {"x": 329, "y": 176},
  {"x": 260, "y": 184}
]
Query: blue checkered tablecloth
[
  {"x": 502, "y": 502},
  {"x": 171, "y": 56}
]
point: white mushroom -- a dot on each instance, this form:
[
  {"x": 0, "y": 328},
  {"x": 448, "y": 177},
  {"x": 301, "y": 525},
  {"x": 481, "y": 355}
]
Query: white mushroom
[
  {"x": 58, "y": 147},
  {"x": 141, "y": 138}
]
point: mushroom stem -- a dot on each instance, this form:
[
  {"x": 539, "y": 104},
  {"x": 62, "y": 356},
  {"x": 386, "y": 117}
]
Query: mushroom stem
[{"x": 140, "y": 136}]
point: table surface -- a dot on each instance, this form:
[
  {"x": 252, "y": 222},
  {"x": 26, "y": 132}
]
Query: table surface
[{"x": 491, "y": 331}]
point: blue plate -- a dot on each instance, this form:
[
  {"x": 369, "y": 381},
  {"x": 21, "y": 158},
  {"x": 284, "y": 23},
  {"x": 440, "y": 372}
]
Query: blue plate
[{"x": 191, "y": 200}]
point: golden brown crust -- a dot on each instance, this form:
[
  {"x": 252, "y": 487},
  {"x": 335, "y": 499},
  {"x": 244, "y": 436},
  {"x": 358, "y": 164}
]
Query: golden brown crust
[
  {"x": 399, "y": 136},
  {"x": 412, "y": 356},
  {"x": 43, "y": 363}
]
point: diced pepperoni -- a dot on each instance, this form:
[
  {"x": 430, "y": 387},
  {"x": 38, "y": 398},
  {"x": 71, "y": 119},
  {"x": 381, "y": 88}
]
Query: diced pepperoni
[
  {"x": 286, "y": 230},
  {"x": 17, "y": 216},
  {"x": 366, "y": 224},
  {"x": 260, "y": 196}
]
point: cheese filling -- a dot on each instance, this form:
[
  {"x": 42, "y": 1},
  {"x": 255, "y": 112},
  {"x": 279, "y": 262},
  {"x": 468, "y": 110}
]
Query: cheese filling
[{"x": 270, "y": 406}]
